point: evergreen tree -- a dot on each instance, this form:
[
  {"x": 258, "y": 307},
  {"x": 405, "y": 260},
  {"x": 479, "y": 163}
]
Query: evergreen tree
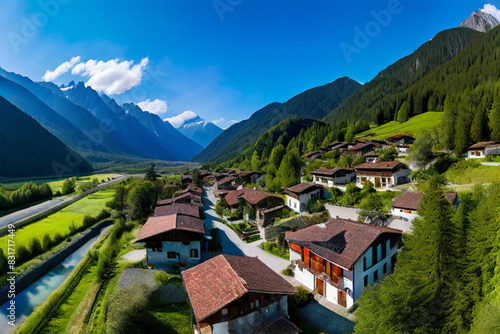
[
  {"x": 494, "y": 117},
  {"x": 151, "y": 173},
  {"x": 255, "y": 161},
  {"x": 404, "y": 113}
]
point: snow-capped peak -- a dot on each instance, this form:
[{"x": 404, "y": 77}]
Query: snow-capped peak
[{"x": 483, "y": 19}]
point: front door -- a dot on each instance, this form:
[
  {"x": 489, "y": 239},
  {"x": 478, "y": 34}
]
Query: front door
[
  {"x": 342, "y": 298},
  {"x": 319, "y": 286}
]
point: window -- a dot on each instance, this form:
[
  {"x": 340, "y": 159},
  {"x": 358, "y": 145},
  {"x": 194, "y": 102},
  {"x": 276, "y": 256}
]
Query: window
[
  {"x": 171, "y": 255},
  {"x": 194, "y": 253},
  {"x": 385, "y": 268},
  {"x": 384, "y": 250},
  {"x": 224, "y": 311},
  {"x": 366, "y": 281},
  {"x": 375, "y": 276}
]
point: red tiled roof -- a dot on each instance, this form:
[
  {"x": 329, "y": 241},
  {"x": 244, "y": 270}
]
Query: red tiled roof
[
  {"x": 411, "y": 201},
  {"x": 385, "y": 165},
  {"x": 340, "y": 241},
  {"x": 168, "y": 201},
  {"x": 360, "y": 146},
  {"x": 223, "y": 279},
  {"x": 303, "y": 188},
  {"x": 227, "y": 179},
  {"x": 330, "y": 172},
  {"x": 483, "y": 144},
  {"x": 250, "y": 195},
  {"x": 179, "y": 208},
  {"x": 160, "y": 224}
]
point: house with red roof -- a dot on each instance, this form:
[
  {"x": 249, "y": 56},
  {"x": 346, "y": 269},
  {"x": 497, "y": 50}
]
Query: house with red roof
[
  {"x": 172, "y": 239},
  {"x": 234, "y": 294},
  {"x": 300, "y": 194},
  {"x": 382, "y": 174},
  {"x": 337, "y": 259},
  {"x": 406, "y": 205},
  {"x": 401, "y": 139},
  {"x": 260, "y": 201}
]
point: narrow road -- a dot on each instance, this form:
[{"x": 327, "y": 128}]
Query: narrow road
[
  {"x": 47, "y": 205},
  {"x": 231, "y": 243}
]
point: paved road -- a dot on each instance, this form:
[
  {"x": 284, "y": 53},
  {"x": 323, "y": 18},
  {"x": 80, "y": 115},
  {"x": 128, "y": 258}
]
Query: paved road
[
  {"x": 231, "y": 243},
  {"x": 490, "y": 163},
  {"x": 47, "y": 205}
]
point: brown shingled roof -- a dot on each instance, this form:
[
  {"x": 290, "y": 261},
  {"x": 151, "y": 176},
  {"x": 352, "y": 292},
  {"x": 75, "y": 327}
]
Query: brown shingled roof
[
  {"x": 483, "y": 144},
  {"x": 385, "y": 165},
  {"x": 250, "y": 195},
  {"x": 179, "y": 208},
  {"x": 280, "y": 325},
  {"x": 223, "y": 279},
  {"x": 303, "y": 188},
  {"x": 411, "y": 201},
  {"x": 330, "y": 172},
  {"x": 340, "y": 241},
  {"x": 397, "y": 137},
  {"x": 161, "y": 224}
]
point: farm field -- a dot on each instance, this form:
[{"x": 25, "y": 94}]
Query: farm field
[
  {"x": 413, "y": 126},
  {"x": 56, "y": 184},
  {"x": 60, "y": 222}
]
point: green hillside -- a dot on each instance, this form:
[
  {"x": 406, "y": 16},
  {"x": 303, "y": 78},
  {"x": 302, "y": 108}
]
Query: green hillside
[{"x": 413, "y": 126}]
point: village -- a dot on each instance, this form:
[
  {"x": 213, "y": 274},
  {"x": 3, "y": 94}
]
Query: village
[{"x": 283, "y": 240}]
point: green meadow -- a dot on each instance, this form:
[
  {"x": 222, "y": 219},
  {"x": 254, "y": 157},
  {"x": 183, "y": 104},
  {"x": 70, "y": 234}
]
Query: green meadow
[{"x": 413, "y": 126}]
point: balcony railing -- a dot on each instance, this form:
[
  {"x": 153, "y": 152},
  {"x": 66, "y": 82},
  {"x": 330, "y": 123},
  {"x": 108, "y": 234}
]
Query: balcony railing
[{"x": 321, "y": 275}]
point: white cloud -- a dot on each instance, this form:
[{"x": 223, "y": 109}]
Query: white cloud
[
  {"x": 156, "y": 107},
  {"x": 180, "y": 119},
  {"x": 223, "y": 124},
  {"x": 114, "y": 76},
  {"x": 61, "y": 69},
  {"x": 492, "y": 10}
]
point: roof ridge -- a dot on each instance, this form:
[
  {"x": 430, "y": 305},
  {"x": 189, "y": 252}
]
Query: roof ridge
[{"x": 242, "y": 281}]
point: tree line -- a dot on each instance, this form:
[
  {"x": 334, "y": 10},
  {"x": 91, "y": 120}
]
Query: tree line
[{"x": 28, "y": 193}]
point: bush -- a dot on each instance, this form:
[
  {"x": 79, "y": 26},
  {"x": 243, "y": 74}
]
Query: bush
[
  {"x": 315, "y": 205},
  {"x": 162, "y": 278},
  {"x": 301, "y": 297},
  {"x": 23, "y": 254},
  {"x": 35, "y": 247},
  {"x": 287, "y": 272},
  {"x": 47, "y": 242}
]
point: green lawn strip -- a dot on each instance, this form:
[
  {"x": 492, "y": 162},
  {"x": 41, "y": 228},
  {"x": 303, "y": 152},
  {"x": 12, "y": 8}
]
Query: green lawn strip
[
  {"x": 476, "y": 175},
  {"x": 413, "y": 126},
  {"x": 66, "y": 311},
  {"x": 272, "y": 248},
  {"x": 175, "y": 318},
  {"x": 93, "y": 203}
]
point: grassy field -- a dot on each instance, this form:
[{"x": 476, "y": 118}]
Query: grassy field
[
  {"x": 56, "y": 184},
  {"x": 473, "y": 175},
  {"x": 413, "y": 126},
  {"x": 61, "y": 221}
]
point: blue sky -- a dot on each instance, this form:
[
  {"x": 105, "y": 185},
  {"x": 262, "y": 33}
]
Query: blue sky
[{"x": 222, "y": 59}]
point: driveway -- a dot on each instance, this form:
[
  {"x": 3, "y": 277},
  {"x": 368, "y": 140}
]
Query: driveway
[
  {"x": 47, "y": 205},
  {"x": 325, "y": 319}
]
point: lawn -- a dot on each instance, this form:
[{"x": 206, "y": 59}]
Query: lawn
[
  {"x": 413, "y": 126},
  {"x": 61, "y": 221},
  {"x": 56, "y": 184},
  {"x": 175, "y": 318}
]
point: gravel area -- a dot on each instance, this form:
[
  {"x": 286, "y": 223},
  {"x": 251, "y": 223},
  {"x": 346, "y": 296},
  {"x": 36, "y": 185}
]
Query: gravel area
[{"x": 134, "y": 256}]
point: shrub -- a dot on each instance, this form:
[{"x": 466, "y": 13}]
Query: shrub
[
  {"x": 162, "y": 278},
  {"x": 47, "y": 242},
  {"x": 301, "y": 297},
  {"x": 87, "y": 222},
  {"x": 23, "y": 254},
  {"x": 35, "y": 247},
  {"x": 287, "y": 272}
]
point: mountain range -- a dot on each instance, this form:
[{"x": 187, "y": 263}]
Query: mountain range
[{"x": 199, "y": 130}]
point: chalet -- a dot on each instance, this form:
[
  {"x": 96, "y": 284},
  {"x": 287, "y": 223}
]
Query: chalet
[
  {"x": 406, "y": 205},
  {"x": 383, "y": 174},
  {"x": 187, "y": 198},
  {"x": 340, "y": 146},
  {"x": 259, "y": 200},
  {"x": 337, "y": 259},
  {"x": 298, "y": 195},
  {"x": 227, "y": 183},
  {"x": 361, "y": 148},
  {"x": 233, "y": 294},
  {"x": 330, "y": 177},
  {"x": 186, "y": 179},
  {"x": 480, "y": 150},
  {"x": 178, "y": 208},
  {"x": 249, "y": 176},
  {"x": 173, "y": 239},
  {"x": 401, "y": 139},
  {"x": 192, "y": 189},
  {"x": 372, "y": 157},
  {"x": 402, "y": 149},
  {"x": 313, "y": 155}
]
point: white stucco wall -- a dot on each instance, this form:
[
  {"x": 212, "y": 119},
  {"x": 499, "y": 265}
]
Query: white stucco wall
[
  {"x": 301, "y": 204},
  {"x": 478, "y": 155},
  {"x": 160, "y": 258},
  {"x": 399, "y": 214},
  {"x": 304, "y": 277}
]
